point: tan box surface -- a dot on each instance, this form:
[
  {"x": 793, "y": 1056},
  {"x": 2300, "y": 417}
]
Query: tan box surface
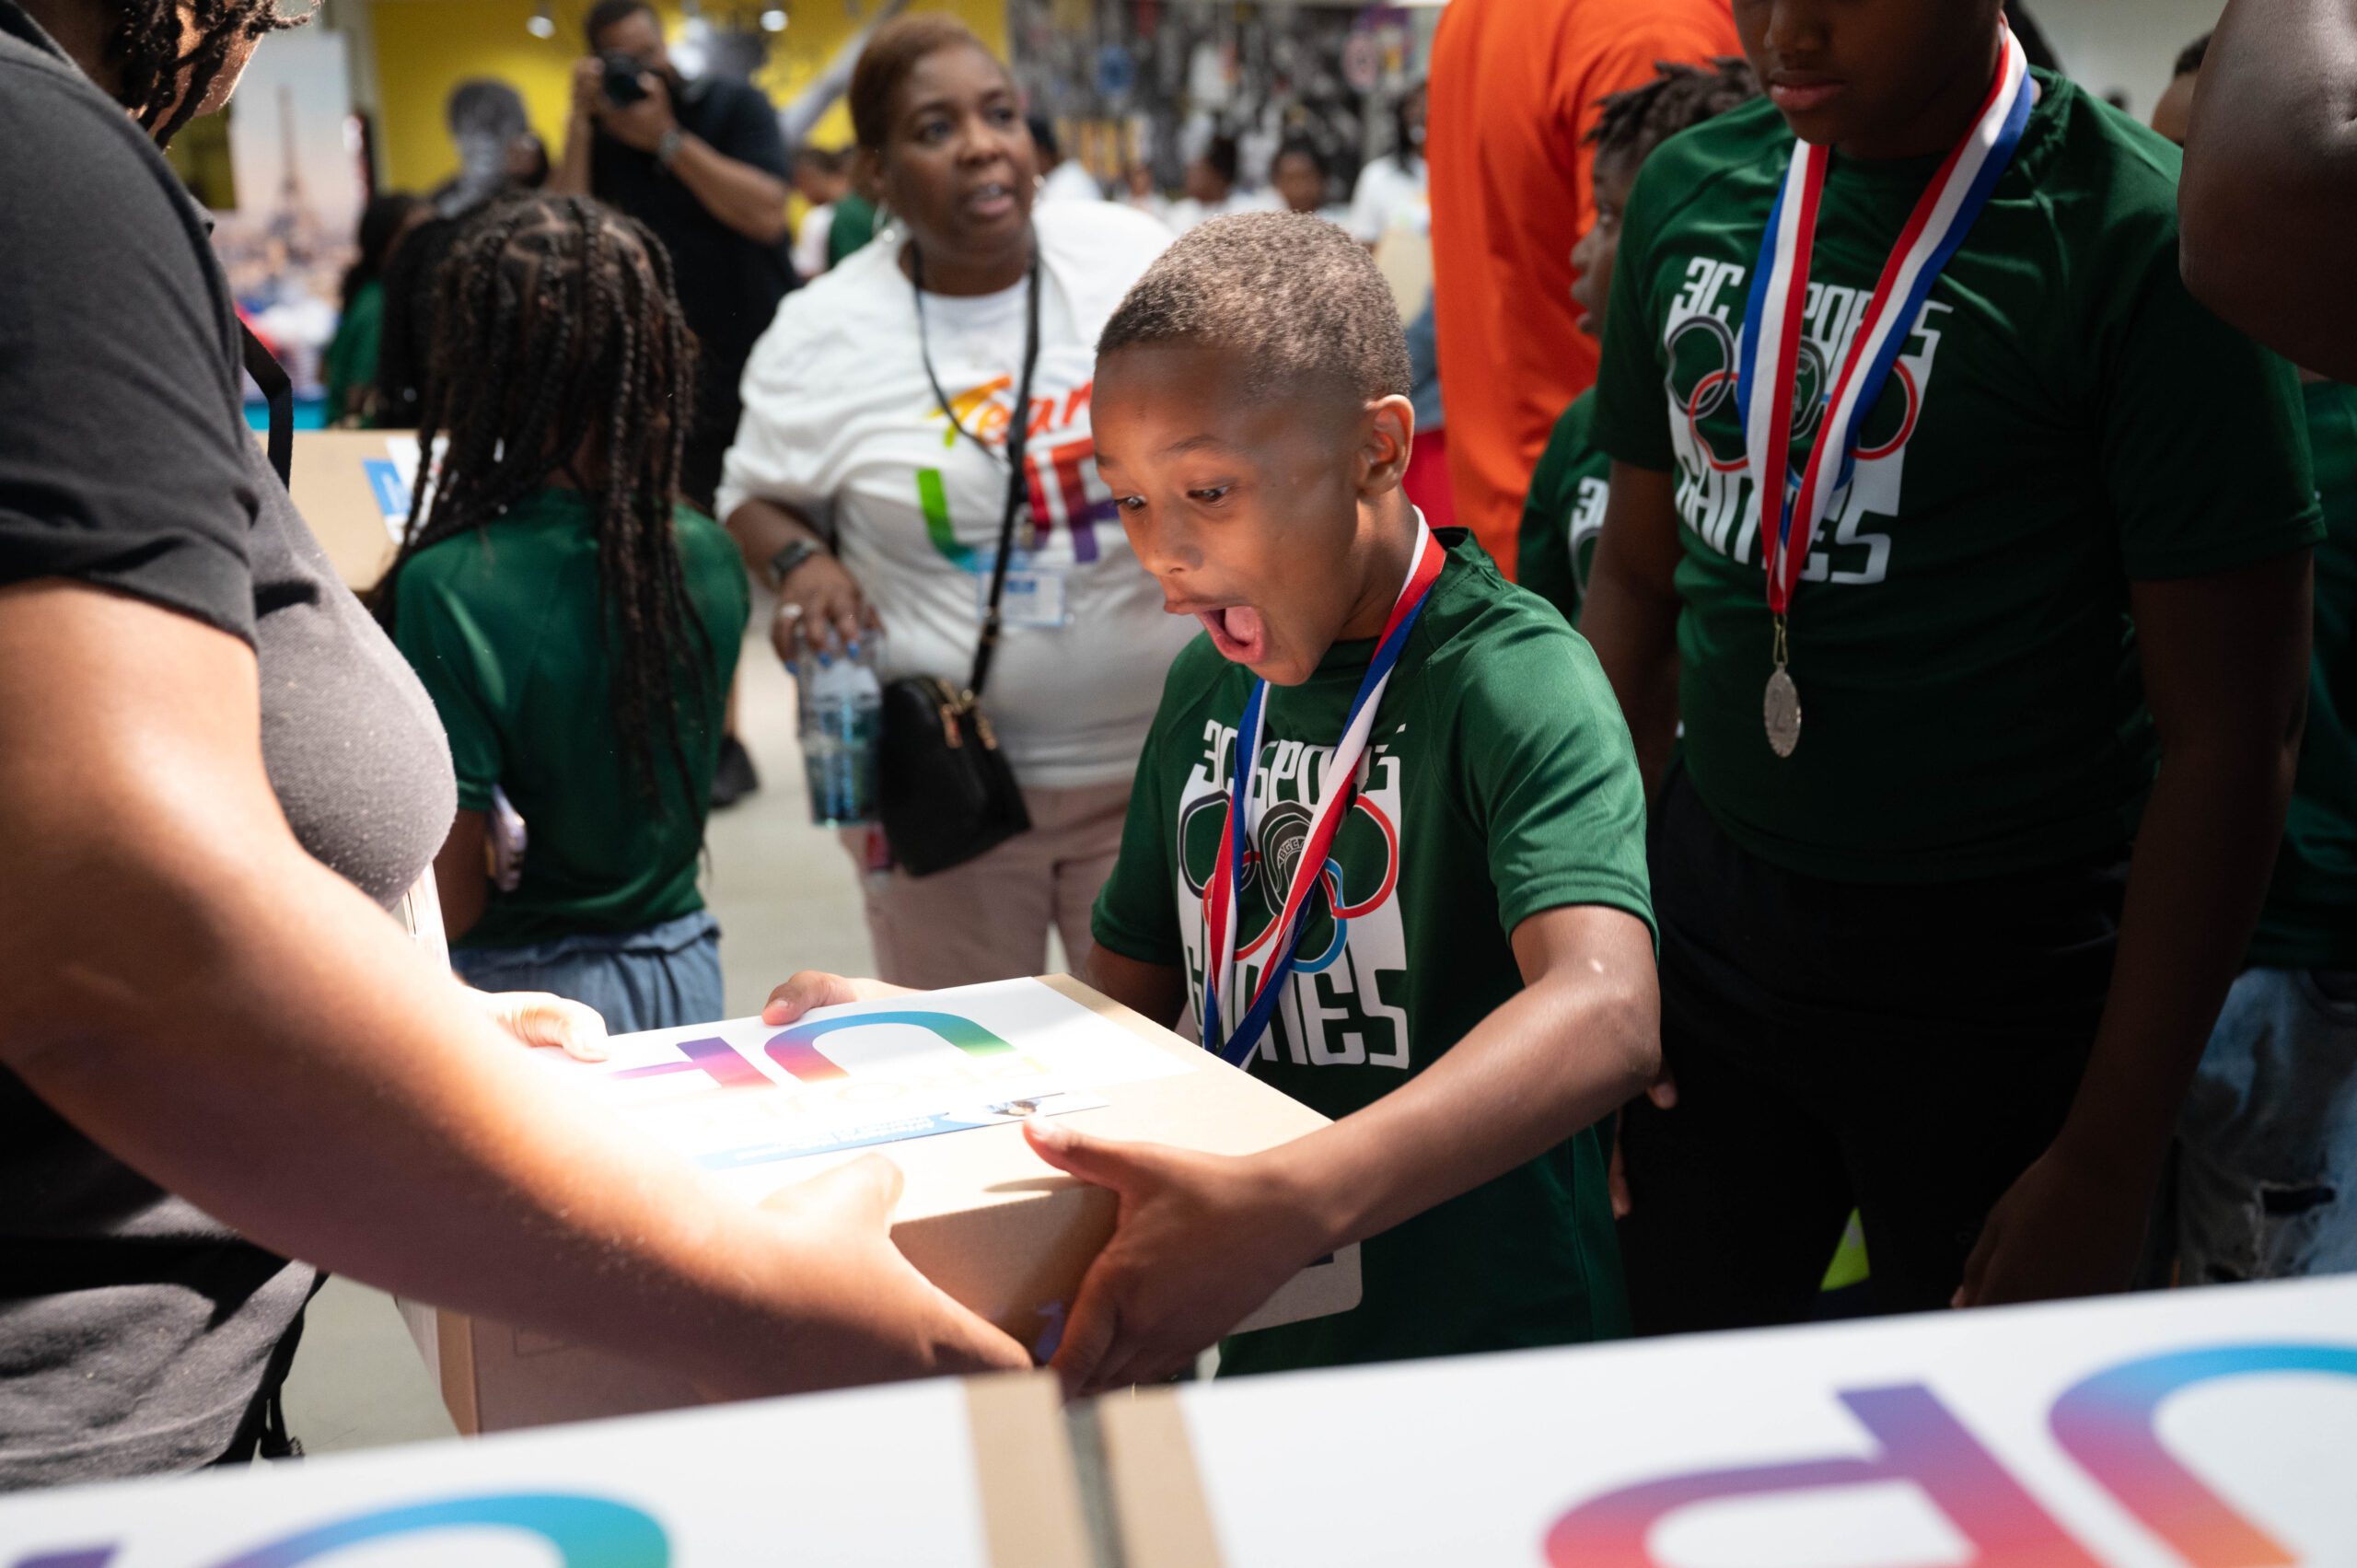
[
  {"x": 981, "y": 1215},
  {"x": 332, "y": 490}
]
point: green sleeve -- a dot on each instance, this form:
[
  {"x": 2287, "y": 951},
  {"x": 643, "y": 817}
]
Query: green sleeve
[
  {"x": 439, "y": 636},
  {"x": 854, "y": 226},
  {"x": 1552, "y": 775},
  {"x": 350, "y": 364},
  {"x": 1632, "y": 419},
  {"x": 1137, "y": 914},
  {"x": 2204, "y": 449},
  {"x": 1543, "y": 560}
]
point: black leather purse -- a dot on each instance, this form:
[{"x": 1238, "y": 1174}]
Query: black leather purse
[{"x": 945, "y": 793}]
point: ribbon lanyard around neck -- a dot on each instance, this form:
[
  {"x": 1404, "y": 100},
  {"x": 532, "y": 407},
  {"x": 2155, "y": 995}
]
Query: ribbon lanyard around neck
[
  {"x": 1018, "y": 434},
  {"x": 1769, "y": 360},
  {"x": 1338, "y": 788}
]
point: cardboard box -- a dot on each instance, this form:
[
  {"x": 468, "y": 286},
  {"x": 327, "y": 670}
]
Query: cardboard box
[
  {"x": 981, "y": 1215},
  {"x": 975, "y": 1474},
  {"x": 2205, "y": 1427},
  {"x": 352, "y": 488}
]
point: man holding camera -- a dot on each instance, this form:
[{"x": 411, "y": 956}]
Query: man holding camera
[{"x": 702, "y": 162}]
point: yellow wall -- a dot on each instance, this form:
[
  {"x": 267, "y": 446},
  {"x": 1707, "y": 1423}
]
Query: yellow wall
[{"x": 425, "y": 48}]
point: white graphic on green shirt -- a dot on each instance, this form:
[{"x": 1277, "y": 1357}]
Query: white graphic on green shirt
[
  {"x": 1714, "y": 488},
  {"x": 1584, "y": 525},
  {"x": 1345, "y": 1002}
]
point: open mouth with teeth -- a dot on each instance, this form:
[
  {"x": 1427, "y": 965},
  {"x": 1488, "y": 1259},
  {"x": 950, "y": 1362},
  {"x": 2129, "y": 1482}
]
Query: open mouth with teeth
[
  {"x": 1238, "y": 632},
  {"x": 992, "y": 200}
]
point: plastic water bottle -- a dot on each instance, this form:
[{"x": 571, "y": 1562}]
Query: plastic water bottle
[{"x": 843, "y": 707}]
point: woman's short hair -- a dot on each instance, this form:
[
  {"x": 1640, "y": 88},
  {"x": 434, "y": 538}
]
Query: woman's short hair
[{"x": 896, "y": 49}]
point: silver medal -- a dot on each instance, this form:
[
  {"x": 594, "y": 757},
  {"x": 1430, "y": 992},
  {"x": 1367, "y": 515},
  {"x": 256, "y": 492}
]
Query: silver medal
[{"x": 1782, "y": 708}]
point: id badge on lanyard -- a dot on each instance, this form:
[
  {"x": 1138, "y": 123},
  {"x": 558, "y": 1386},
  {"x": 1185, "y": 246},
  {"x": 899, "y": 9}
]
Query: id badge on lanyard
[{"x": 1032, "y": 596}]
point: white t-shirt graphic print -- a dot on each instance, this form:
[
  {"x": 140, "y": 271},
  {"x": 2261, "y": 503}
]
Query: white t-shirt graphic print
[{"x": 842, "y": 425}]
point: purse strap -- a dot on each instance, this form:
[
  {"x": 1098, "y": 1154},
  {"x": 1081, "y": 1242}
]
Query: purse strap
[{"x": 1018, "y": 436}]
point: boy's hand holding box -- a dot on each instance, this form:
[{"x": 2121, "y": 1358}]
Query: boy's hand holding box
[{"x": 939, "y": 1082}]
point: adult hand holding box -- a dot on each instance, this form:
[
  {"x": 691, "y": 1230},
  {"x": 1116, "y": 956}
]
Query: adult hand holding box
[{"x": 940, "y": 1084}]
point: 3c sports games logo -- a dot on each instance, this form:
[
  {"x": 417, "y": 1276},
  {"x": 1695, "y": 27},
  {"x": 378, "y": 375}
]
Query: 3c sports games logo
[
  {"x": 1701, "y": 355},
  {"x": 1361, "y": 873}
]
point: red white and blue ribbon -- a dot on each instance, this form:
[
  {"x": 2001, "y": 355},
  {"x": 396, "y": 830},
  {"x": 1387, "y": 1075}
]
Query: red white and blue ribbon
[
  {"x": 1338, "y": 789},
  {"x": 1772, "y": 323}
]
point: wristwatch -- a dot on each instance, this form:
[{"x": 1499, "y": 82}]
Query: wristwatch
[
  {"x": 669, "y": 147},
  {"x": 786, "y": 562}
]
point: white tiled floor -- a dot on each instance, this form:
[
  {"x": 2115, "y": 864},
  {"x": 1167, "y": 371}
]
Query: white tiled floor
[{"x": 786, "y": 898}]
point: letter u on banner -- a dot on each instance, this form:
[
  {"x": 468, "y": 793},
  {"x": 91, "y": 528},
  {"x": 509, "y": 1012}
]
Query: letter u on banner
[
  {"x": 1922, "y": 1444},
  {"x": 798, "y": 1051},
  {"x": 2108, "y": 1425}
]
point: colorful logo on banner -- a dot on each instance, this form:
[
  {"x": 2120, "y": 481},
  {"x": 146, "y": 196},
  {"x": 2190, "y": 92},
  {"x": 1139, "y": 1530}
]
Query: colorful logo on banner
[
  {"x": 796, "y": 1049},
  {"x": 2107, "y": 1424},
  {"x": 584, "y": 1532}
]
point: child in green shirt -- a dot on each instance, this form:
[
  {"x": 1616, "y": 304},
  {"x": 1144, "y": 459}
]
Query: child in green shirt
[
  {"x": 2267, "y": 1140},
  {"x": 1564, "y": 511},
  {"x": 1471, "y": 985},
  {"x": 1909, "y": 961},
  {"x": 576, "y": 625}
]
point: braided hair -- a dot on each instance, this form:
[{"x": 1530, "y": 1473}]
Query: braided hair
[
  {"x": 146, "y": 42},
  {"x": 559, "y": 350},
  {"x": 1631, "y": 124}
]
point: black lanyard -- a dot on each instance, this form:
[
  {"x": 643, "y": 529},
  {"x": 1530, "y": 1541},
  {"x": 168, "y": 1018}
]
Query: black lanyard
[
  {"x": 1018, "y": 432},
  {"x": 279, "y": 392}
]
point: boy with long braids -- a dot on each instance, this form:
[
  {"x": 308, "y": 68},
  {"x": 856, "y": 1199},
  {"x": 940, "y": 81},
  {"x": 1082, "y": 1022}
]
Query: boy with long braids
[
  {"x": 576, "y": 626},
  {"x": 1974, "y": 556},
  {"x": 1564, "y": 510}
]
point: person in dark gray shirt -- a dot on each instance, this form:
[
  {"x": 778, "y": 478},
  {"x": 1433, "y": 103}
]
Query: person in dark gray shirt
[{"x": 216, "y": 1051}]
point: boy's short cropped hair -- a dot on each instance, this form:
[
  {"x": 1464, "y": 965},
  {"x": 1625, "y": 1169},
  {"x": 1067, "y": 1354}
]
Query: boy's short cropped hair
[{"x": 1293, "y": 295}]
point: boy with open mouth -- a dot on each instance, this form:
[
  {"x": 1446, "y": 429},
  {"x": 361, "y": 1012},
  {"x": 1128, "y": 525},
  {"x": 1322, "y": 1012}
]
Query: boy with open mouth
[{"x": 1385, "y": 847}]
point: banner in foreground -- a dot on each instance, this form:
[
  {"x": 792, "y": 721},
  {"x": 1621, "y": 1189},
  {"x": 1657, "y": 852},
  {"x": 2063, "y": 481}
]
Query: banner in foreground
[
  {"x": 952, "y": 1475},
  {"x": 2213, "y": 1428}
]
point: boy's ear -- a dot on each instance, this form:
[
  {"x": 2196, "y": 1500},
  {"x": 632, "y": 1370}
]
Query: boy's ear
[{"x": 1388, "y": 438}]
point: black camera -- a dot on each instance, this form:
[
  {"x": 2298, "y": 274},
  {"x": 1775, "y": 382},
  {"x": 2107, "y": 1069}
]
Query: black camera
[{"x": 623, "y": 72}]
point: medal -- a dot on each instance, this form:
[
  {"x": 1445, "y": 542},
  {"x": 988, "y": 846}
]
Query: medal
[
  {"x": 1782, "y": 706},
  {"x": 1768, "y": 363},
  {"x": 1338, "y": 787}
]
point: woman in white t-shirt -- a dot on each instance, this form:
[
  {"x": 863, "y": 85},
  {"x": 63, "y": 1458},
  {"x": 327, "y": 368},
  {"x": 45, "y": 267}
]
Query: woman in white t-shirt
[
  {"x": 1390, "y": 192},
  {"x": 860, "y": 498}
]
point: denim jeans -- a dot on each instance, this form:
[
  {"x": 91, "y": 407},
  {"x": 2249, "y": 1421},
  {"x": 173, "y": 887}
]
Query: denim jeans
[
  {"x": 656, "y": 979},
  {"x": 2267, "y": 1173}
]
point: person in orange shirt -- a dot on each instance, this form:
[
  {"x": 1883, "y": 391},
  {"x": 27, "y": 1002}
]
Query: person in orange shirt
[{"x": 1514, "y": 92}]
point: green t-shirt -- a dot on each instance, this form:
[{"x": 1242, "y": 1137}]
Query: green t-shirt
[
  {"x": 350, "y": 363},
  {"x": 2063, "y": 419},
  {"x": 1564, "y": 511},
  {"x": 852, "y": 226},
  {"x": 1500, "y": 783},
  {"x": 506, "y": 628},
  {"x": 2310, "y": 920}
]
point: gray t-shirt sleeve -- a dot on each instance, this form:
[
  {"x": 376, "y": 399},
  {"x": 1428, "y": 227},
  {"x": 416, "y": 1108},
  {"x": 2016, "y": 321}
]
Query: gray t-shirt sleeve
[{"x": 120, "y": 465}]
